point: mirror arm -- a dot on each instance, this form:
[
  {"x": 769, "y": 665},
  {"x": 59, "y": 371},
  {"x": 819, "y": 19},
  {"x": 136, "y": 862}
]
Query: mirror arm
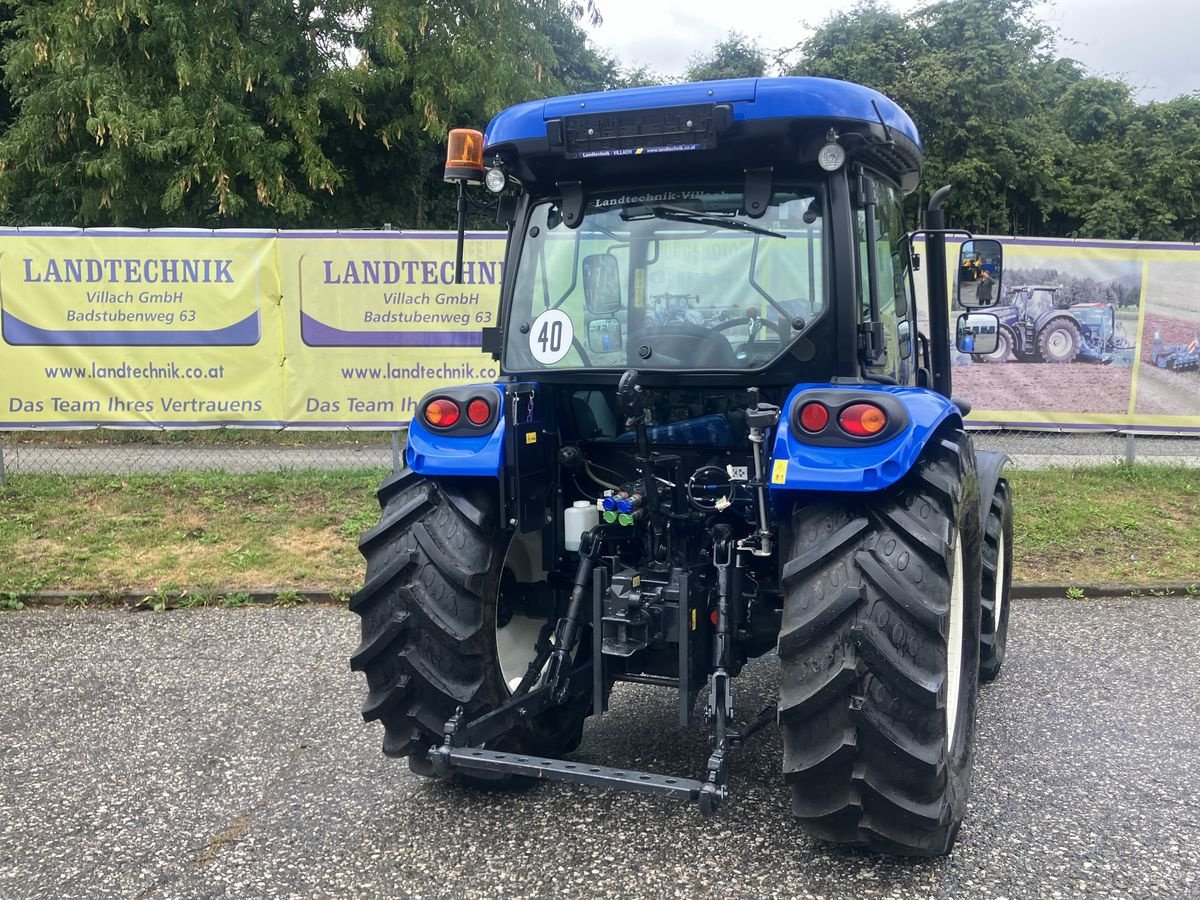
[{"x": 939, "y": 301}]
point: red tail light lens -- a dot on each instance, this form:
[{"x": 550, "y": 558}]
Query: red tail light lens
[
  {"x": 814, "y": 417},
  {"x": 863, "y": 420},
  {"x": 441, "y": 413},
  {"x": 478, "y": 411}
]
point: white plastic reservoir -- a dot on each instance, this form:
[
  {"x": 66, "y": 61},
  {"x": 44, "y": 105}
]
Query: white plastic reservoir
[{"x": 578, "y": 518}]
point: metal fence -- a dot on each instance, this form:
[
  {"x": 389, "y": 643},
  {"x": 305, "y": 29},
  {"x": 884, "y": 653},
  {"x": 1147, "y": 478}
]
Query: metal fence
[{"x": 108, "y": 452}]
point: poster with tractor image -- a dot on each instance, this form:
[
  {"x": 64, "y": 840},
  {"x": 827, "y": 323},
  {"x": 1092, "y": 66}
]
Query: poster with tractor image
[
  {"x": 1090, "y": 332},
  {"x": 1168, "y": 375},
  {"x": 1068, "y": 325}
]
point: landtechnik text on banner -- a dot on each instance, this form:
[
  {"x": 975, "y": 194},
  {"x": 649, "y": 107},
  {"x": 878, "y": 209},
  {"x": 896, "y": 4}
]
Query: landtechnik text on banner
[{"x": 185, "y": 329}]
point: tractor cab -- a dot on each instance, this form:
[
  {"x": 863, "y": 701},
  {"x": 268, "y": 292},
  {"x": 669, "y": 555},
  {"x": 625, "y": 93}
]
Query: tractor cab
[{"x": 746, "y": 232}]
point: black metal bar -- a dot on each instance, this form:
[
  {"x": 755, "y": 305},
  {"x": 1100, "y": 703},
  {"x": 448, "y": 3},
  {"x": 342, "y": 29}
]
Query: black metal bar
[
  {"x": 755, "y": 725},
  {"x": 516, "y": 711},
  {"x": 685, "y": 660},
  {"x": 872, "y": 248},
  {"x": 843, "y": 234},
  {"x": 599, "y": 586},
  {"x": 939, "y": 296},
  {"x": 462, "y": 230},
  {"x": 686, "y": 789}
]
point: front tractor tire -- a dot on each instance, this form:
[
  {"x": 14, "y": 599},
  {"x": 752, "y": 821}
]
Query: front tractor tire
[
  {"x": 879, "y": 652},
  {"x": 1003, "y": 351},
  {"x": 432, "y": 639},
  {"x": 997, "y": 582}
]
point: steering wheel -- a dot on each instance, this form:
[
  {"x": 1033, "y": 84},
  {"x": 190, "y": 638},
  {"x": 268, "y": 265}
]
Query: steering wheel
[{"x": 746, "y": 320}]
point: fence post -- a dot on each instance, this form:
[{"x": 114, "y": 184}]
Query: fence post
[
  {"x": 1130, "y": 453},
  {"x": 2, "y": 480},
  {"x": 395, "y": 451}
]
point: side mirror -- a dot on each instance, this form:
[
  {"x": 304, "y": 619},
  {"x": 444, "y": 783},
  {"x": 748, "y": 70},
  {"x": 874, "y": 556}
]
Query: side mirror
[
  {"x": 604, "y": 336},
  {"x": 601, "y": 284},
  {"x": 978, "y": 333},
  {"x": 980, "y": 265}
]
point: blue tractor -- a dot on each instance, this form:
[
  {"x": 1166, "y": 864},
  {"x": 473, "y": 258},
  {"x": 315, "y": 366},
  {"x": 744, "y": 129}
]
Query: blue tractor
[
  {"x": 717, "y": 434},
  {"x": 1034, "y": 327}
]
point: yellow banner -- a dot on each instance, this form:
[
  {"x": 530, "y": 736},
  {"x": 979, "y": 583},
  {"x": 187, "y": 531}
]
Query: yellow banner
[
  {"x": 377, "y": 321},
  {"x": 141, "y": 329},
  {"x": 177, "y": 329}
]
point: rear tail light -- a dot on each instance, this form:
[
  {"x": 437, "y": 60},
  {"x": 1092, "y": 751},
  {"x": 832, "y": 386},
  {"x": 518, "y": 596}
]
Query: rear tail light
[
  {"x": 814, "y": 417},
  {"x": 478, "y": 411},
  {"x": 441, "y": 413},
  {"x": 862, "y": 420}
]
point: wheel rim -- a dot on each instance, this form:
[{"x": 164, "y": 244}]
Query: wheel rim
[
  {"x": 1059, "y": 343},
  {"x": 1000, "y": 354},
  {"x": 998, "y": 599},
  {"x": 516, "y": 639},
  {"x": 515, "y": 647},
  {"x": 954, "y": 646}
]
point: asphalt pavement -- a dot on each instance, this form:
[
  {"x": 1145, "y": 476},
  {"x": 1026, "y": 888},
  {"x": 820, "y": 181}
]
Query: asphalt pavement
[{"x": 219, "y": 753}]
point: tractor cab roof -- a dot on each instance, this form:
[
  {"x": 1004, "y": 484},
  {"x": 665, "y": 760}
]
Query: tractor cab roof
[{"x": 700, "y": 129}]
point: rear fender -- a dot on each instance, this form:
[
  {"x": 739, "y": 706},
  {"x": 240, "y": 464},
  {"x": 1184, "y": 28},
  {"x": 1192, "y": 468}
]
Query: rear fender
[
  {"x": 804, "y": 462},
  {"x": 477, "y": 452},
  {"x": 991, "y": 469}
]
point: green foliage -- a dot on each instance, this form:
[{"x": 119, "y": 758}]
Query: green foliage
[
  {"x": 158, "y": 112},
  {"x": 290, "y": 113},
  {"x": 1030, "y": 141},
  {"x": 288, "y": 597},
  {"x": 236, "y": 600},
  {"x": 735, "y": 57}
]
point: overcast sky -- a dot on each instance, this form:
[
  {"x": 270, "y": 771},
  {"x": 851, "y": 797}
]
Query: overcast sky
[{"x": 1153, "y": 44}]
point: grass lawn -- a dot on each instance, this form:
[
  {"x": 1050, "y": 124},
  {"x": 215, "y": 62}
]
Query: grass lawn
[
  {"x": 1109, "y": 523},
  {"x": 208, "y": 532},
  {"x": 200, "y": 532}
]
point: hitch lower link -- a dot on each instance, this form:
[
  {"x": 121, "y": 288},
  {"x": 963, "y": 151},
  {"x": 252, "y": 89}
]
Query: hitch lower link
[{"x": 465, "y": 741}]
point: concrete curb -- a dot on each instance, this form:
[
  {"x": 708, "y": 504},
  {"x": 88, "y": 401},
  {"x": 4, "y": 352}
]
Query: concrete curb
[
  {"x": 1034, "y": 590},
  {"x": 136, "y": 601},
  {"x": 223, "y": 598}
]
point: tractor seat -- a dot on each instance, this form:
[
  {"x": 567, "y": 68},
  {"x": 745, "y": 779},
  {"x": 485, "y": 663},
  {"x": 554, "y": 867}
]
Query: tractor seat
[{"x": 682, "y": 345}]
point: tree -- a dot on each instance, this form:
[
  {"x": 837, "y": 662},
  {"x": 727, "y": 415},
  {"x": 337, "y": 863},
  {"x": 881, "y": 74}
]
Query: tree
[
  {"x": 153, "y": 112},
  {"x": 735, "y": 57},
  {"x": 160, "y": 111}
]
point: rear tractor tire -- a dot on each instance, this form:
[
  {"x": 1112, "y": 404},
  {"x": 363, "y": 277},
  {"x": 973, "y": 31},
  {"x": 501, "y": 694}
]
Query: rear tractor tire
[
  {"x": 1060, "y": 341},
  {"x": 997, "y": 582},
  {"x": 435, "y": 633},
  {"x": 879, "y": 652}
]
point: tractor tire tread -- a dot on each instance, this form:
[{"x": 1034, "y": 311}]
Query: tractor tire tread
[{"x": 863, "y": 656}]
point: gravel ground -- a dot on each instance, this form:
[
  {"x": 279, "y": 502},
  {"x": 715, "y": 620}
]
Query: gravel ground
[{"x": 220, "y": 754}]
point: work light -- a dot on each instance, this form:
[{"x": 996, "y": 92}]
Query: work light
[
  {"x": 495, "y": 180},
  {"x": 831, "y": 157}
]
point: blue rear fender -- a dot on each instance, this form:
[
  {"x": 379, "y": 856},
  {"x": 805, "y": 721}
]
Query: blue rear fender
[
  {"x": 799, "y": 464},
  {"x": 473, "y": 454}
]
